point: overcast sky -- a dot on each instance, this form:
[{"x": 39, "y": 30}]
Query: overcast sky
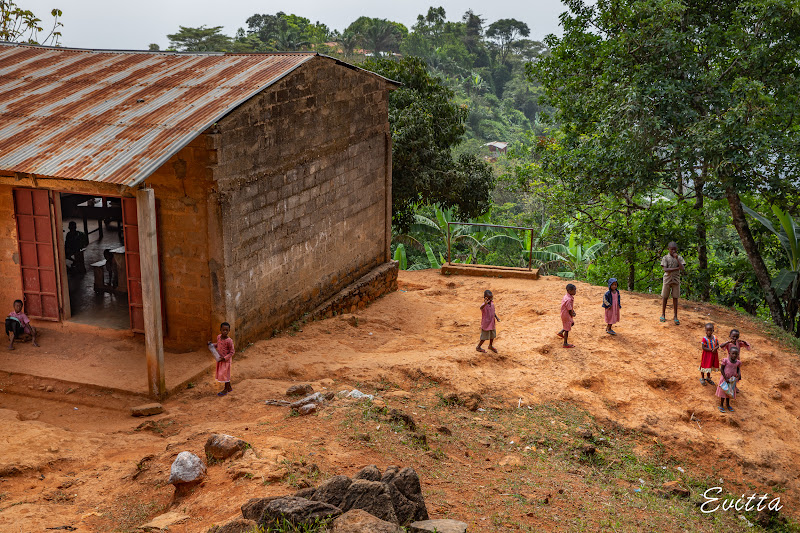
[{"x": 133, "y": 24}]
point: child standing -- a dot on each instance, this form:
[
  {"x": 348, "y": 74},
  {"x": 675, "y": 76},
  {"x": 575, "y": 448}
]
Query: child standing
[
  {"x": 735, "y": 342},
  {"x": 18, "y": 326},
  {"x": 567, "y": 314},
  {"x": 731, "y": 372},
  {"x": 709, "y": 361},
  {"x": 611, "y": 303},
  {"x": 224, "y": 347},
  {"x": 488, "y": 318}
]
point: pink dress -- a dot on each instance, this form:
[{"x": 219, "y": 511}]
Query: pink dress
[
  {"x": 487, "y": 317},
  {"x": 739, "y": 344},
  {"x": 709, "y": 361},
  {"x": 225, "y": 350},
  {"x": 612, "y": 311},
  {"x": 566, "y": 306},
  {"x": 728, "y": 371}
]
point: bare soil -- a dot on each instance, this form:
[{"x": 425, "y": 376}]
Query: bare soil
[{"x": 518, "y": 463}]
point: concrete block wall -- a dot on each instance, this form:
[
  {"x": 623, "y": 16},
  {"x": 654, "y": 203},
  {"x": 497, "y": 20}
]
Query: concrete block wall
[{"x": 302, "y": 178}]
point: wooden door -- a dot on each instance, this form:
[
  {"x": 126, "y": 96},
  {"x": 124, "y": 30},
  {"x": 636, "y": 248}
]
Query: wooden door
[
  {"x": 130, "y": 228},
  {"x": 36, "y": 253}
]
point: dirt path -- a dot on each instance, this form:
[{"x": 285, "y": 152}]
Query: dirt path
[{"x": 79, "y": 459}]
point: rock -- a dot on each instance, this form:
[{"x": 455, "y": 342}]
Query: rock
[
  {"x": 401, "y": 417},
  {"x": 471, "y": 400},
  {"x": 776, "y": 395},
  {"x": 148, "y": 409},
  {"x": 299, "y": 512},
  {"x": 444, "y": 430},
  {"x": 407, "y": 482},
  {"x": 300, "y": 390},
  {"x": 370, "y": 473},
  {"x": 314, "y": 398},
  {"x": 307, "y": 409},
  {"x": 326, "y": 382},
  {"x": 254, "y": 508},
  {"x": 377, "y": 403},
  {"x": 360, "y": 521},
  {"x": 510, "y": 460},
  {"x": 220, "y": 446},
  {"x": 673, "y": 487},
  {"x": 398, "y": 395},
  {"x": 49, "y": 388},
  {"x": 588, "y": 450},
  {"x": 162, "y": 522},
  {"x": 440, "y": 526},
  {"x": 187, "y": 468},
  {"x": 307, "y": 493},
  {"x": 371, "y": 496},
  {"x": 332, "y": 491},
  {"x": 583, "y": 433},
  {"x": 419, "y": 439},
  {"x": 404, "y": 509},
  {"x": 240, "y": 525}
]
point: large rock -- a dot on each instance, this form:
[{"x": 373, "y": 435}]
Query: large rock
[
  {"x": 254, "y": 507},
  {"x": 240, "y": 525},
  {"x": 404, "y": 509},
  {"x": 370, "y": 473},
  {"x": 371, "y": 496},
  {"x": 220, "y": 446},
  {"x": 187, "y": 468},
  {"x": 407, "y": 482},
  {"x": 360, "y": 521},
  {"x": 303, "y": 389},
  {"x": 148, "y": 409},
  {"x": 440, "y": 526},
  {"x": 299, "y": 512},
  {"x": 332, "y": 491}
]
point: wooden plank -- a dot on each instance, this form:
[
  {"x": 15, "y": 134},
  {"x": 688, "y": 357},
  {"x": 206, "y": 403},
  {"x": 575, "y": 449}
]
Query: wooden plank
[
  {"x": 61, "y": 270},
  {"x": 151, "y": 292}
]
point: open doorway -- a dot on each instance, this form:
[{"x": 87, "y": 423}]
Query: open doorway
[{"x": 94, "y": 253}]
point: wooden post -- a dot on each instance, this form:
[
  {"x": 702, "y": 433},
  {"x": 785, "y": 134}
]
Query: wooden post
[
  {"x": 151, "y": 292},
  {"x": 530, "y": 252},
  {"x": 448, "y": 244}
]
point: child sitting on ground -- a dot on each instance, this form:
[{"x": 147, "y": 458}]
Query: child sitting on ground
[
  {"x": 611, "y": 303},
  {"x": 731, "y": 373},
  {"x": 18, "y": 326},
  {"x": 488, "y": 318},
  {"x": 567, "y": 314},
  {"x": 709, "y": 361},
  {"x": 224, "y": 347}
]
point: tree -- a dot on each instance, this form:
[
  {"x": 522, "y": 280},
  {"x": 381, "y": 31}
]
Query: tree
[
  {"x": 679, "y": 98},
  {"x": 200, "y": 39},
  {"x": 378, "y": 35},
  {"x": 504, "y": 32},
  {"x": 21, "y": 25},
  {"x": 425, "y": 126}
]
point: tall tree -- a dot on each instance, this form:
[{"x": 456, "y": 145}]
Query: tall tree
[
  {"x": 22, "y": 25},
  {"x": 505, "y": 32},
  {"x": 200, "y": 39},
  {"x": 670, "y": 93},
  {"x": 378, "y": 35}
]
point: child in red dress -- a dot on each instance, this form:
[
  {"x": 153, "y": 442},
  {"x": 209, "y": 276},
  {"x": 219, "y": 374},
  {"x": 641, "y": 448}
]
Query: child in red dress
[
  {"x": 709, "y": 362},
  {"x": 224, "y": 347},
  {"x": 567, "y": 314},
  {"x": 731, "y": 372}
]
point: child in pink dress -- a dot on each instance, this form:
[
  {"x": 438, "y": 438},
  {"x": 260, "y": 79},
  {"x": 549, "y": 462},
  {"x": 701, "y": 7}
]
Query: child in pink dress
[
  {"x": 709, "y": 361},
  {"x": 18, "y": 326},
  {"x": 735, "y": 342},
  {"x": 224, "y": 347},
  {"x": 488, "y": 318},
  {"x": 611, "y": 303},
  {"x": 567, "y": 314},
  {"x": 731, "y": 372}
]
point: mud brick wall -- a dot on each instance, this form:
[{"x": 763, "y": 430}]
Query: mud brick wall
[
  {"x": 358, "y": 295},
  {"x": 302, "y": 179}
]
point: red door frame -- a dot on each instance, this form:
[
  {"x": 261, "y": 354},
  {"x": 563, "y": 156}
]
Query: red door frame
[
  {"x": 37, "y": 256},
  {"x": 130, "y": 228}
]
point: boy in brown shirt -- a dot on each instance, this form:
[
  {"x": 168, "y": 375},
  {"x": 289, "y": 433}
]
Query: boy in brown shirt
[{"x": 673, "y": 264}]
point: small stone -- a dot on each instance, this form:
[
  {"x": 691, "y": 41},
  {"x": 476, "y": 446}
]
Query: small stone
[
  {"x": 303, "y": 389},
  {"x": 219, "y": 446},
  {"x": 360, "y": 521},
  {"x": 187, "y": 468},
  {"x": 307, "y": 409},
  {"x": 510, "y": 460},
  {"x": 148, "y": 409},
  {"x": 49, "y": 388},
  {"x": 471, "y": 401},
  {"x": 378, "y": 403},
  {"x": 444, "y": 430},
  {"x": 440, "y": 526},
  {"x": 164, "y": 521}
]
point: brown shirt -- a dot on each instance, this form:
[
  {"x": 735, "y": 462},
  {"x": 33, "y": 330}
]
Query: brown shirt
[{"x": 672, "y": 278}]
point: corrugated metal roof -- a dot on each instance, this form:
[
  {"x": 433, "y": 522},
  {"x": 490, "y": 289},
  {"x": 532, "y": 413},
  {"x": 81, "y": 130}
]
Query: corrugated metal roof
[{"x": 115, "y": 116}]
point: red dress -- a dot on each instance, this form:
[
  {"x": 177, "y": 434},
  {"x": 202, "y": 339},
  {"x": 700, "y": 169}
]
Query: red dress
[
  {"x": 709, "y": 362},
  {"x": 225, "y": 350}
]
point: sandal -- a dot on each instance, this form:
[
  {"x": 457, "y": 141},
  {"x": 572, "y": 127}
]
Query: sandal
[
  {"x": 569, "y": 346},
  {"x": 492, "y": 348},
  {"x": 480, "y": 349},
  {"x": 703, "y": 382},
  {"x": 730, "y": 408},
  {"x": 662, "y": 319},
  {"x": 708, "y": 380},
  {"x": 611, "y": 332},
  {"x": 677, "y": 322},
  {"x": 721, "y": 409},
  {"x": 223, "y": 393},
  {"x": 559, "y": 334}
]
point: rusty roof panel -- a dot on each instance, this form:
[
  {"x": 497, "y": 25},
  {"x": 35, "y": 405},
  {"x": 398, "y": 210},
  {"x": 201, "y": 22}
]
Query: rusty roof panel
[{"x": 115, "y": 116}]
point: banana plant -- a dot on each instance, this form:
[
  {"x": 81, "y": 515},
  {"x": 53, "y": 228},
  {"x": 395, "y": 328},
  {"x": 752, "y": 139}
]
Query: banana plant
[
  {"x": 573, "y": 256},
  {"x": 438, "y": 228},
  {"x": 789, "y": 236},
  {"x": 400, "y": 256}
]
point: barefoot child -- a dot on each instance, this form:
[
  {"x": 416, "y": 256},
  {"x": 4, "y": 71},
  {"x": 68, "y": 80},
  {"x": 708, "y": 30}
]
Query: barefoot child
[
  {"x": 488, "y": 318},
  {"x": 18, "y": 326},
  {"x": 567, "y": 314},
  {"x": 224, "y": 347},
  {"x": 611, "y": 303},
  {"x": 731, "y": 373},
  {"x": 709, "y": 361}
]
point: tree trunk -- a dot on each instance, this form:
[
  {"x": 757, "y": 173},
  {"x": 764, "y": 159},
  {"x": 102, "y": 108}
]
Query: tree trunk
[
  {"x": 630, "y": 253},
  {"x": 753, "y": 254},
  {"x": 702, "y": 241}
]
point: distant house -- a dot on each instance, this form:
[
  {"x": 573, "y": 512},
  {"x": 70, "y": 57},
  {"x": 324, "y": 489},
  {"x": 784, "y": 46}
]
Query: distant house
[
  {"x": 240, "y": 188},
  {"x": 497, "y": 147}
]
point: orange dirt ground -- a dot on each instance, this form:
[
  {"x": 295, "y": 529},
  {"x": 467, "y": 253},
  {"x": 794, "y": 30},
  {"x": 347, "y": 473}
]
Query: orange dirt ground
[{"x": 76, "y": 457}]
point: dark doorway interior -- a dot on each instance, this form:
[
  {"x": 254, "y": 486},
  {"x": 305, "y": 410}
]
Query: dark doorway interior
[{"x": 94, "y": 251}]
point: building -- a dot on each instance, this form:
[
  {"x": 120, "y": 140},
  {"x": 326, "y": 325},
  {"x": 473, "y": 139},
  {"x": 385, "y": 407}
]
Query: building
[{"x": 214, "y": 187}]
